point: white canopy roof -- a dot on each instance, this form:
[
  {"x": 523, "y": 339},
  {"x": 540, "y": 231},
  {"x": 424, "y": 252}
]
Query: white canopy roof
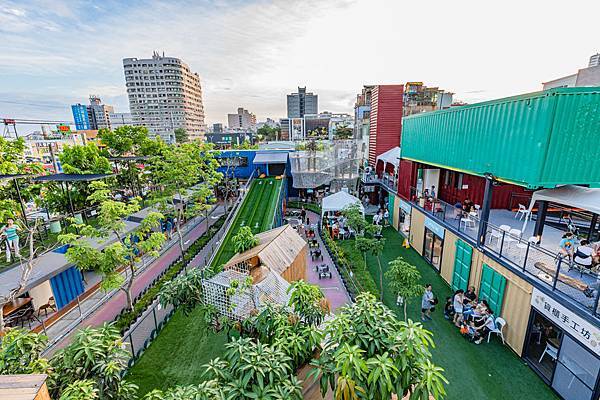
[
  {"x": 338, "y": 201},
  {"x": 270, "y": 158},
  {"x": 570, "y": 195},
  {"x": 392, "y": 156}
]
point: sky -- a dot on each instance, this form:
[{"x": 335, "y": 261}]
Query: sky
[{"x": 250, "y": 54}]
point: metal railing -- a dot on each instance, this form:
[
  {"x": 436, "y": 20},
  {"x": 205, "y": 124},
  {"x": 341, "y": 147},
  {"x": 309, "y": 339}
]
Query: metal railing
[{"x": 542, "y": 265}]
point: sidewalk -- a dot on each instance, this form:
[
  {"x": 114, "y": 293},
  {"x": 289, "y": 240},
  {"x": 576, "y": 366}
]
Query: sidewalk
[
  {"x": 115, "y": 301},
  {"x": 333, "y": 288}
]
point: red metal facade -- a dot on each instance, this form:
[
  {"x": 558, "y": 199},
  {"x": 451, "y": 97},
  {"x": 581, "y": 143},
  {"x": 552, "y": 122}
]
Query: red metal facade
[
  {"x": 407, "y": 178},
  {"x": 504, "y": 196},
  {"x": 385, "y": 125}
]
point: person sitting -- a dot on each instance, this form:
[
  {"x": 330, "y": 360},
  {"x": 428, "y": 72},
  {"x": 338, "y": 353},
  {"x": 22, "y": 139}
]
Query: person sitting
[
  {"x": 467, "y": 206},
  {"x": 448, "y": 308},
  {"x": 566, "y": 247},
  {"x": 478, "y": 311},
  {"x": 583, "y": 255},
  {"x": 470, "y": 295},
  {"x": 483, "y": 330}
]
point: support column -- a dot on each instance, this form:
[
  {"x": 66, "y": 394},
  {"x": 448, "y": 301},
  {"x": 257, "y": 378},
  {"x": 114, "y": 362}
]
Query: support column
[
  {"x": 541, "y": 219},
  {"x": 592, "y": 226},
  {"x": 485, "y": 209}
]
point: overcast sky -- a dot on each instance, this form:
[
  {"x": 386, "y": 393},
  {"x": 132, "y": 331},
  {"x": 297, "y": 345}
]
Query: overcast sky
[{"x": 251, "y": 53}]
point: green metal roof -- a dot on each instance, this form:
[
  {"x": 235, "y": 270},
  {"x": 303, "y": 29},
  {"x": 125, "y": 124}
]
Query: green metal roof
[{"x": 540, "y": 139}]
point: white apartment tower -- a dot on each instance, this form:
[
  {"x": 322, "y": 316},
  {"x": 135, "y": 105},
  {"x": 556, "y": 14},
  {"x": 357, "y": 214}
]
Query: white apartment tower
[{"x": 164, "y": 95}]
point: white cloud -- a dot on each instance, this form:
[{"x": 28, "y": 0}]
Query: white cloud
[{"x": 251, "y": 53}]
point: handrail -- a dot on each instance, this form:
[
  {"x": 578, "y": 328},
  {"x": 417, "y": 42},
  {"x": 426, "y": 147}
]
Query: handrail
[{"x": 231, "y": 218}]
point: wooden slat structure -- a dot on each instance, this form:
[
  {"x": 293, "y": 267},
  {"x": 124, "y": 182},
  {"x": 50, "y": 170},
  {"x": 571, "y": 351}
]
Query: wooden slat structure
[
  {"x": 23, "y": 387},
  {"x": 282, "y": 250}
]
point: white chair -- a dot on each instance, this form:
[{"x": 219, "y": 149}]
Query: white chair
[
  {"x": 523, "y": 211},
  {"x": 532, "y": 241},
  {"x": 478, "y": 210},
  {"x": 500, "y": 324},
  {"x": 495, "y": 234},
  {"x": 512, "y": 236},
  {"x": 551, "y": 351},
  {"x": 469, "y": 223}
]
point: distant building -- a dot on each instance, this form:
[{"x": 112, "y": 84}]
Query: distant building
[
  {"x": 217, "y": 128},
  {"x": 589, "y": 76},
  {"x": 120, "y": 119},
  {"x": 419, "y": 98},
  {"x": 271, "y": 123},
  {"x": 301, "y": 103},
  {"x": 243, "y": 119},
  {"x": 164, "y": 94},
  {"x": 93, "y": 116},
  {"x": 45, "y": 146}
]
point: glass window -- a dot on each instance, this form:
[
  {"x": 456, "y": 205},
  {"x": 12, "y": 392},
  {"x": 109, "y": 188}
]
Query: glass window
[
  {"x": 542, "y": 345},
  {"x": 576, "y": 371},
  {"x": 432, "y": 248},
  {"x": 403, "y": 222}
]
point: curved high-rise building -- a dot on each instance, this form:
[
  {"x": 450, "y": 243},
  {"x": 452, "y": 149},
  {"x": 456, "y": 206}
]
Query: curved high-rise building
[{"x": 164, "y": 94}]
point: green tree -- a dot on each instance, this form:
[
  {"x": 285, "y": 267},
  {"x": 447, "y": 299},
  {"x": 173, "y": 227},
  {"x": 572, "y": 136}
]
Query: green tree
[
  {"x": 181, "y": 135},
  {"x": 343, "y": 132},
  {"x": 308, "y": 302},
  {"x": 268, "y": 133},
  {"x": 124, "y": 140},
  {"x": 126, "y": 251},
  {"x": 97, "y": 359},
  {"x": 80, "y": 390},
  {"x": 176, "y": 170},
  {"x": 244, "y": 240},
  {"x": 371, "y": 354},
  {"x": 20, "y": 352},
  {"x": 405, "y": 280},
  {"x": 355, "y": 219}
]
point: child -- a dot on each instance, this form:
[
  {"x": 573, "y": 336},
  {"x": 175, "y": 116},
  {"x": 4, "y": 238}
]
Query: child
[{"x": 448, "y": 308}]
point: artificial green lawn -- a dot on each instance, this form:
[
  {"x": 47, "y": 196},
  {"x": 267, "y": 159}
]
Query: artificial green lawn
[
  {"x": 177, "y": 355},
  {"x": 256, "y": 211},
  {"x": 485, "y": 371}
]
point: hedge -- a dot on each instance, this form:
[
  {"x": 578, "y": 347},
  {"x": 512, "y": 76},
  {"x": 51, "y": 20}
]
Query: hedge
[
  {"x": 307, "y": 206},
  {"x": 126, "y": 318},
  {"x": 347, "y": 259}
]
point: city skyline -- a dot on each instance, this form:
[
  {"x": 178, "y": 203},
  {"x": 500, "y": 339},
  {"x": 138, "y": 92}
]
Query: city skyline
[{"x": 53, "y": 56}]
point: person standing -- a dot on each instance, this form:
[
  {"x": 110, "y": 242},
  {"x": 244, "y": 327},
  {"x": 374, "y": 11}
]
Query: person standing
[
  {"x": 432, "y": 192},
  {"x": 458, "y": 304},
  {"x": 12, "y": 238},
  {"x": 303, "y": 214},
  {"x": 386, "y": 217},
  {"x": 427, "y": 303}
]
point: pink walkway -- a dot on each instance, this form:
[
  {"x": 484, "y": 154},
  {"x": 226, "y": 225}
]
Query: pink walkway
[{"x": 333, "y": 288}]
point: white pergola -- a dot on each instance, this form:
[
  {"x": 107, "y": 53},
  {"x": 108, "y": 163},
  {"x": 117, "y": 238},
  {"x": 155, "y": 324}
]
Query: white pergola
[{"x": 339, "y": 201}]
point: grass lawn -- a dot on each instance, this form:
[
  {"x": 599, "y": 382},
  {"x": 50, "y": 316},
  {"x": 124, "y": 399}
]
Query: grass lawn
[
  {"x": 485, "y": 371},
  {"x": 177, "y": 355},
  {"x": 256, "y": 211}
]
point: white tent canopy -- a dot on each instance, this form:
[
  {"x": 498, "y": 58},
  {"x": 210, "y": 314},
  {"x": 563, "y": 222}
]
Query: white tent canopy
[
  {"x": 392, "y": 156},
  {"x": 569, "y": 195},
  {"x": 338, "y": 201}
]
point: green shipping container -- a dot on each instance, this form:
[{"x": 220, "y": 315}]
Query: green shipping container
[{"x": 536, "y": 140}]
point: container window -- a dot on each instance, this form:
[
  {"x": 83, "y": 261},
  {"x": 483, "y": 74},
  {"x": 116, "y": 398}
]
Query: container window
[{"x": 576, "y": 371}]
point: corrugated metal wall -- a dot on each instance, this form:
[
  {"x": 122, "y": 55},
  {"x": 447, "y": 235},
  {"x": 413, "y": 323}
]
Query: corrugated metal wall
[
  {"x": 505, "y": 196},
  {"x": 66, "y": 286},
  {"x": 407, "y": 177},
  {"x": 537, "y": 140},
  {"x": 385, "y": 127}
]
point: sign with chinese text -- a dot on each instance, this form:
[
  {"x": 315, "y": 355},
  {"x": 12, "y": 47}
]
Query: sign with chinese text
[
  {"x": 582, "y": 330},
  {"x": 63, "y": 128},
  {"x": 434, "y": 227}
]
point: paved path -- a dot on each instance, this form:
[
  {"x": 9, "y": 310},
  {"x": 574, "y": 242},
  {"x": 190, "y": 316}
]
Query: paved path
[
  {"x": 333, "y": 288},
  {"x": 114, "y": 305}
]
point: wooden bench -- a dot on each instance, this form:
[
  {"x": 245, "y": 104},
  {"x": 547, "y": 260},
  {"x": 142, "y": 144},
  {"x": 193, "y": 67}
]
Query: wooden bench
[{"x": 566, "y": 279}]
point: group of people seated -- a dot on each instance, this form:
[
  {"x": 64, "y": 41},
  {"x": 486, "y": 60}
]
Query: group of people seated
[
  {"x": 474, "y": 318},
  {"x": 336, "y": 225},
  {"x": 579, "y": 253}
]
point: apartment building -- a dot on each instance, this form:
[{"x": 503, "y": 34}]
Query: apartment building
[{"x": 164, "y": 94}]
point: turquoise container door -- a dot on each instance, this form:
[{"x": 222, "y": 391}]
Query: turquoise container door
[
  {"x": 492, "y": 288},
  {"x": 462, "y": 265}
]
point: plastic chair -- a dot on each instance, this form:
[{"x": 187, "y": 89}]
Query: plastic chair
[
  {"x": 469, "y": 223},
  {"x": 500, "y": 324},
  {"x": 551, "y": 351},
  {"x": 532, "y": 241},
  {"x": 523, "y": 211}
]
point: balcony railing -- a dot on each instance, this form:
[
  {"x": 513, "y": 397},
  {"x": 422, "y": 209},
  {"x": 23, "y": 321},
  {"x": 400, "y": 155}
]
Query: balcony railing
[
  {"x": 542, "y": 265},
  {"x": 388, "y": 180}
]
